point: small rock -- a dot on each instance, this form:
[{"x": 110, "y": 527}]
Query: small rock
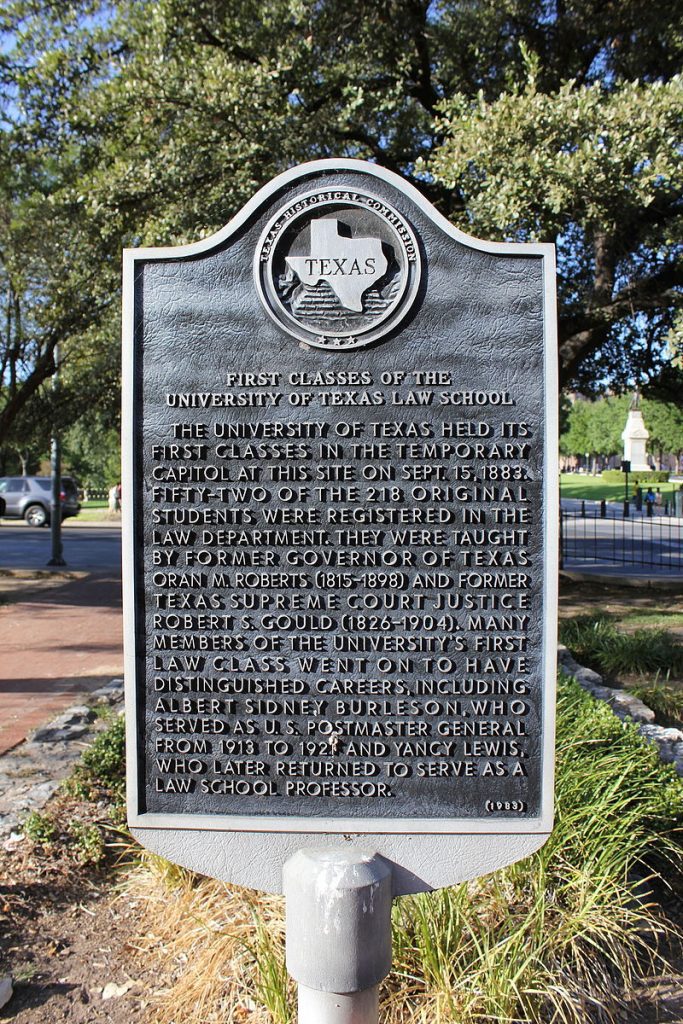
[
  {"x": 6, "y": 989},
  {"x": 78, "y": 713},
  {"x": 587, "y": 677},
  {"x": 624, "y": 704},
  {"x": 15, "y": 839},
  {"x": 39, "y": 795},
  {"x": 68, "y": 726},
  {"x": 113, "y": 991},
  {"x": 111, "y": 692},
  {"x": 62, "y": 734}
]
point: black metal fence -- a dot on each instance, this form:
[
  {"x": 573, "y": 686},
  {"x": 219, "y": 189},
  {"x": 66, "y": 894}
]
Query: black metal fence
[{"x": 652, "y": 541}]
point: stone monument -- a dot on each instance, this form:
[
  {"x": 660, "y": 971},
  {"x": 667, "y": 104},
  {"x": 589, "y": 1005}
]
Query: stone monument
[
  {"x": 341, "y": 556},
  {"x": 635, "y": 437}
]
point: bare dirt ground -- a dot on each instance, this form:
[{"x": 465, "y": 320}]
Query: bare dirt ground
[
  {"x": 65, "y": 940},
  {"x": 586, "y": 598},
  {"x": 65, "y": 936}
]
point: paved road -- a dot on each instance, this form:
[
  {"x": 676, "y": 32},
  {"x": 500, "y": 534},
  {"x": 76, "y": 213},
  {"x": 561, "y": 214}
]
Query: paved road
[
  {"x": 636, "y": 546},
  {"x": 86, "y": 547},
  {"x": 60, "y": 629}
]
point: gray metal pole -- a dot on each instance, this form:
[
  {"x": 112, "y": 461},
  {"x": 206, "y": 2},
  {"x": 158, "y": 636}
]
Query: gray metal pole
[
  {"x": 338, "y": 929},
  {"x": 56, "y": 489},
  {"x": 332, "y": 1008}
]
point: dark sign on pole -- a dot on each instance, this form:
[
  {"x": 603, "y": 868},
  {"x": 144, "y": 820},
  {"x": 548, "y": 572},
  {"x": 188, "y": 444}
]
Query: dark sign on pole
[{"x": 341, "y": 535}]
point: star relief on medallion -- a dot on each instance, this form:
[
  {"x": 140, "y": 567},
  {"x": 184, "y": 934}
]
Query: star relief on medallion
[{"x": 322, "y": 341}]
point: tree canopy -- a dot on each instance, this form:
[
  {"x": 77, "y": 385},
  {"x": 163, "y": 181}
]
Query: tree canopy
[
  {"x": 595, "y": 428},
  {"x": 153, "y": 121}
]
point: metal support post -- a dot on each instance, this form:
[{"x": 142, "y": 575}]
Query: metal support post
[
  {"x": 56, "y": 472},
  {"x": 56, "y": 505},
  {"x": 561, "y": 541},
  {"x": 338, "y": 932}
]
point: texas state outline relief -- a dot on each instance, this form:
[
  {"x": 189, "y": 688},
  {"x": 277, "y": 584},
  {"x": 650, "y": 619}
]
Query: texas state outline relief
[{"x": 361, "y": 263}]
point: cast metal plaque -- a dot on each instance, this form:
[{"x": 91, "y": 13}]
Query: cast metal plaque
[{"x": 340, "y": 536}]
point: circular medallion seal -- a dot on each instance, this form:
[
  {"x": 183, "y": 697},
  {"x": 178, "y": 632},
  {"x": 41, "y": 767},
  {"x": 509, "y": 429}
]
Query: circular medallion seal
[{"x": 337, "y": 268}]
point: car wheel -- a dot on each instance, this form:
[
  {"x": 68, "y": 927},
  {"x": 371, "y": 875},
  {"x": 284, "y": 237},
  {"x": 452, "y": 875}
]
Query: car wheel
[{"x": 35, "y": 515}]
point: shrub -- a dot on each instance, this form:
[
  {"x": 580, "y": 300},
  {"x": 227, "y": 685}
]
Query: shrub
[
  {"x": 41, "y": 829},
  {"x": 666, "y": 701},
  {"x": 102, "y": 766},
  {"x": 87, "y": 842},
  {"x": 652, "y": 476},
  {"x": 595, "y": 641}
]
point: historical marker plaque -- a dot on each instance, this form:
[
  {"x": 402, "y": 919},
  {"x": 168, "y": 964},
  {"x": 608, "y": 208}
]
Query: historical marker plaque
[{"x": 340, "y": 535}]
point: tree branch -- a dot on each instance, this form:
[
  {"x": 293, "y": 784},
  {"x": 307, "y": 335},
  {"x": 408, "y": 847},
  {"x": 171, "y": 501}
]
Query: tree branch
[
  {"x": 582, "y": 335},
  {"x": 424, "y": 90},
  {"x": 43, "y": 369},
  {"x": 207, "y": 37}
]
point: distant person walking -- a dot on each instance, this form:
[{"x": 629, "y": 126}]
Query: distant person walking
[
  {"x": 659, "y": 501},
  {"x": 115, "y": 498},
  {"x": 650, "y": 500}
]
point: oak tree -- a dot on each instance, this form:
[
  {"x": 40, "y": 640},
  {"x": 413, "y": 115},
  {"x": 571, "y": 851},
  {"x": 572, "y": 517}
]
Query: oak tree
[{"x": 520, "y": 119}]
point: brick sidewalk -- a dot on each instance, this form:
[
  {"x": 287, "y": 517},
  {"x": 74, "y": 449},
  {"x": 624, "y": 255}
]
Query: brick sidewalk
[{"x": 56, "y": 640}]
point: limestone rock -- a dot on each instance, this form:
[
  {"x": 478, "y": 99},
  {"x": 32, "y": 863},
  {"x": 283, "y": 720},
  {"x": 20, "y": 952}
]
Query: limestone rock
[
  {"x": 6, "y": 989},
  {"x": 113, "y": 991}
]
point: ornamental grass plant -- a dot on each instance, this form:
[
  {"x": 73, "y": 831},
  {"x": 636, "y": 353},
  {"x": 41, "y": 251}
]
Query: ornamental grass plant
[
  {"x": 665, "y": 700},
  {"x": 595, "y": 640},
  {"x": 557, "y": 938}
]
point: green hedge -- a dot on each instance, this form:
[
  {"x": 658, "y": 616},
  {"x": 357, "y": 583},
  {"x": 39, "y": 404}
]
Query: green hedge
[{"x": 652, "y": 476}]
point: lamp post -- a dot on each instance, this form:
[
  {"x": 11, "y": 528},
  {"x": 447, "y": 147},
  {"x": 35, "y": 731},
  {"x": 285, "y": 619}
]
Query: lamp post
[{"x": 56, "y": 481}]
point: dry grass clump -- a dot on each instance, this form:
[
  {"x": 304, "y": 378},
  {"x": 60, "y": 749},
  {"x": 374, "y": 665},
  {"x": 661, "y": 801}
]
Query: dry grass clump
[
  {"x": 220, "y": 948},
  {"x": 557, "y": 938}
]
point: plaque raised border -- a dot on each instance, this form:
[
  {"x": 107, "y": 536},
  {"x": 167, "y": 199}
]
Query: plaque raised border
[{"x": 426, "y": 853}]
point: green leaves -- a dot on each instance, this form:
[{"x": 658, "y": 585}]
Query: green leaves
[
  {"x": 152, "y": 121},
  {"x": 533, "y": 163},
  {"x": 596, "y": 427},
  {"x": 596, "y": 169}
]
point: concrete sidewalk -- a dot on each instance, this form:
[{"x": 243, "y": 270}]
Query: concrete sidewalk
[{"x": 61, "y": 634}]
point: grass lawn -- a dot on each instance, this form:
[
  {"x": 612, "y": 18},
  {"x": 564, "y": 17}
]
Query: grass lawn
[
  {"x": 96, "y": 512},
  {"x": 97, "y": 515},
  {"x": 594, "y": 488},
  {"x": 658, "y": 619}
]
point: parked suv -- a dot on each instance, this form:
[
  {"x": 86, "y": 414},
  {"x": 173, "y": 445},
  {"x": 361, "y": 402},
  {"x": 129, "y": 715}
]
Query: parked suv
[{"x": 28, "y": 497}]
